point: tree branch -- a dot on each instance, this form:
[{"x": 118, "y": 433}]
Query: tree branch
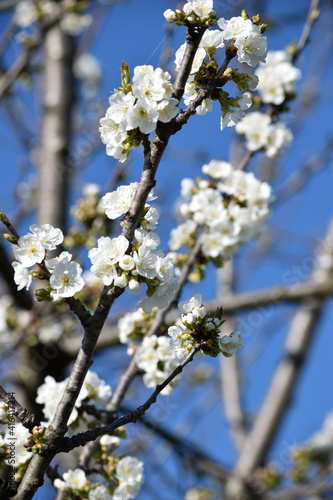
[
  {"x": 280, "y": 392},
  {"x": 26, "y": 418},
  {"x": 81, "y": 439}
]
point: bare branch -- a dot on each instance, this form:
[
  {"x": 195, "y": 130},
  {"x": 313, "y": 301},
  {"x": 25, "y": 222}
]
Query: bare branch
[
  {"x": 26, "y": 418},
  {"x": 230, "y": 376}
]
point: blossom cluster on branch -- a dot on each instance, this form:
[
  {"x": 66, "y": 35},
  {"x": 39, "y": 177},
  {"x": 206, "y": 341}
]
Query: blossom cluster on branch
[{"x": 232, "y": 207}]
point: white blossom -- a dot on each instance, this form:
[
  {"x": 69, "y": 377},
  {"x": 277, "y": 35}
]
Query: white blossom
[
  {"x": 277, "y": 77},
  {"x": 151, "y": 218},
  {"x": 121, "y": 105},
  {"x": 98, "y": 392},
  {"x": 235, "y": 27},
  {"x": 118, "y": 202},
  {"x": 48, "y": 236},
  {"x": 212, "y": 40},
  {"x": 145, "y": 261},
  {"x": 26, "y": 13},
  {"x": 167, "y": 110},
  {"x": 201, "y": 8},
  {"x": 260, "y": 133},
  {"x": 162, "y": 296},
  {"x": 130, "y": 470},
  {"x": 230, "y": 118},
  {"x": 147, "y": 83},
  {"x": 49, "y": 395},
  {"x": 144, "y": 115},
  {"x": 127, "y": 325},
  {"x": 251, "y": 49},
  {"x": 22, "y": 276},
  {"x": 229, "y": 344},
  {"x": 182, "y": 234},
  {"x": 73, "y": 479},
  {"x": 29, "y": 250},
  {"x": 217, "y": 169},
  {"x": 179, "y": 345},
  {"x": 147, "y": 358},
  {"x": 66, "y": 280},
  {"x": 197, "y": 61},
  {"x": 126, "y": 491},
  {"x": 100, "y": 493}
]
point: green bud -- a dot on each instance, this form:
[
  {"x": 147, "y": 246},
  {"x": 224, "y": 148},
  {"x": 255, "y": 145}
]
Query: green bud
[
  {"x": 263, "y": 28},
  {"x": 244, "y": 14},
  {"x": 3, "y": 218},
  {"x": 10, "y": 238},
  {"x": 38, "y": 274},
  {"x": 43, "y": 294},
  {"x": 125, "y": 76},
  {"x": 256, "y": 19}
]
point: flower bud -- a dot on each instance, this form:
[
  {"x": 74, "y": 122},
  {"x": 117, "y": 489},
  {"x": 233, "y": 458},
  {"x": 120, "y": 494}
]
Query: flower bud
[
  {"x": 189, "y": 318},
  {"x": 209, "y": 326},
  {"x": 43, "y": 294},
  {"x": 10, "y": 238},
  {"x": 125, "y": 75},
  {"x": 133, "y": 285},
  {"x": 3, "y": 218},
  {"x": 200, "y": 312},
  {"x": 170, "y": 16},
  {"x": 121, "y": 281},
  {"x": 188, "y": 9},
  {"x": 38, "y": 274}
]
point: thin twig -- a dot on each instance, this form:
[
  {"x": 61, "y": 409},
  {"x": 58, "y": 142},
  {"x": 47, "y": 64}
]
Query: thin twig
[{"x": 304, "y": 38}]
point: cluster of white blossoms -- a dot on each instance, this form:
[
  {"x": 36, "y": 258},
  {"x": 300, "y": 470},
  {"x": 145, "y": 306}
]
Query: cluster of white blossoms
[
  {"x": 130, "y": 327},
  {"x": 233, "y": 207},
  {"x": 144, "y": 264},
  {"x": 156, "y": 358},
  {"x": 194, "y": 11},
  {"x": 94, "y": 390},
  {"x": 129, "y": 476},
  {"x": 261, "y": 133},
  {"x": 277, "y": 77},
  {"x": 247, "y": 37},
  {"x": 32, "y": 249},
  {"x": 28, "y": 12},
  {"x": 196, "y": 325},
  {"x": 138, "y": 107},
  {"x": 251, "y": 49}
]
